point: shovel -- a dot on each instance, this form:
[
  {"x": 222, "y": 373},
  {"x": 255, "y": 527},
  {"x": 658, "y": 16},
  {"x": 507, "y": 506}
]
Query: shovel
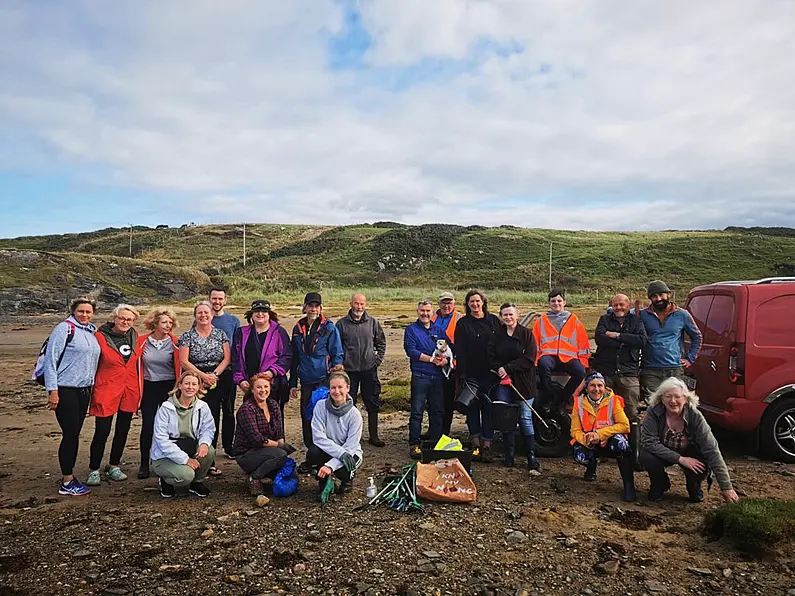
[{"x": 527, "y": 403}]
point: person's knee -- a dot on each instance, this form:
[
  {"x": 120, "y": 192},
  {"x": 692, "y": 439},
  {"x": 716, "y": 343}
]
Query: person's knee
[
  {"x": 546, "y": 364},
  {"x": 576, "y": 370},
  {"x": 650, "y": 461}
]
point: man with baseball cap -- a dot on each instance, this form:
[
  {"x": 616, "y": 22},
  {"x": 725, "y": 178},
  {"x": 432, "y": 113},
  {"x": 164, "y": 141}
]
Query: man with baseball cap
[
  {"x": 667, "y": 325},
  {"x": 317, "y": 350},
  {"x": 447, "y": 318}
]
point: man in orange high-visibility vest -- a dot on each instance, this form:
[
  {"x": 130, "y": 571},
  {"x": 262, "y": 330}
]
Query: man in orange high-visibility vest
[
  {"x": 563, "y": 347},
  {"x": 446, "y": 318}
]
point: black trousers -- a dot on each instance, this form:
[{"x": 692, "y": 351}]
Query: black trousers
[
  {"x": 317, "y": 458},
  {"x": 370, "y": 385},
  {"x": 264, "y": 462},
  {"x": 658, "y": 477},
  {"x": 70, "y": 414},
  {"x": 102, "y": 428},
  {"x": 222, "y": 401},
  {"x": 155, "y": 393},
  {"x": 448, "y": 393},
  {"x": 306, "y": 425}
]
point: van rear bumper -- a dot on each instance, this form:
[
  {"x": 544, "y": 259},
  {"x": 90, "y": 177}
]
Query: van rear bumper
[{"x": 741, "y": 414}]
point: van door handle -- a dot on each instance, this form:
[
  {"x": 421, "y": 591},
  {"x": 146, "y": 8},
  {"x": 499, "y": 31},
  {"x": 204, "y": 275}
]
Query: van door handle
[{"x": 713, "y": 366}]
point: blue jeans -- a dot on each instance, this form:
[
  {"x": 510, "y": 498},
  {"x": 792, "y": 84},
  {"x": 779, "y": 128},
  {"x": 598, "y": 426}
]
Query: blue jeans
[
  {"x": 552, "y": 364},
  {"x": 506, "y": 394},
  {"x": 479, "y": 421},
  {"x": 426, "y": 388}
]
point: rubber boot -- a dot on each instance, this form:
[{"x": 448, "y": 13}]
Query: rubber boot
[
  {"x": 659, "y": 484},
  {"x": 590, "y": 469},
  {"x": 509, "y": 449},
  {"x": 372, "y": 424},
  {"x": 530, "y": 447},
  {"x": 693, "y": 483},
  {"x": 634, "y": 445},
  {"x": 627, "y": 477}
]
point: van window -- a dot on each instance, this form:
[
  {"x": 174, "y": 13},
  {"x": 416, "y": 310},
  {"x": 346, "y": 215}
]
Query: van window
[
  {"x": 699, "y": 307},
  {"x": 770, "y": 328},
  {"x": 721, "y": 317}
]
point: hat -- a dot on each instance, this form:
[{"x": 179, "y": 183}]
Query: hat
[
  {"x": 446, "y": 296},
  {"x": 657, "y": 287},
  {"x": 313, "y": 297},
  {"x": 592, "y": 376},
  {"x": 260, "y": 305}
]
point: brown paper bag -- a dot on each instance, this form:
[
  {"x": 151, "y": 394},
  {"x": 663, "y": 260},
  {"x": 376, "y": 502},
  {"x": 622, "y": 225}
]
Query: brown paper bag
[{"x": 445, "y": 480}]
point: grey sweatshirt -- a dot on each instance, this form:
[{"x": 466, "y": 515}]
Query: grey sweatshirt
[
  {"x": 337, "y": 435},
  {"x": 79, "y": 363},
  {"x": 558, "y": 319}
]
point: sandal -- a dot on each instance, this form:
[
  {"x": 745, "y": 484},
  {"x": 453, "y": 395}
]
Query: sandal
[{"x": 214, "y": 472}]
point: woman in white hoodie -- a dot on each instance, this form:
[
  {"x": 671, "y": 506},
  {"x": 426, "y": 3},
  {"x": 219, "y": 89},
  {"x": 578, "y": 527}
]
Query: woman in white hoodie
[
  {"x": 336, "y": 434},
  {"x": 182, "y": 450}
]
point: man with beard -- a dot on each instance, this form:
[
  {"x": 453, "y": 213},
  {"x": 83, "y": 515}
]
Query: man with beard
[
  {"x": 666, "y": 327},
  {"x": 228, "y": 323}
]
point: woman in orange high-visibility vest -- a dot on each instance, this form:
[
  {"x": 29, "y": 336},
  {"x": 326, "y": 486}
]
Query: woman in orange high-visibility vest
[
  {"x": 563, "y": 347},
  {"x": 599, "y": 428}
]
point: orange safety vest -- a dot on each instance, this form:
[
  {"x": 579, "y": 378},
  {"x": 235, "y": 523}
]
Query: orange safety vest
[
  {"x": 116, "y": 385},
  {"x": 604, "y": 415},
  {"x": 450, "y": 331},
  {"x": 568, "y": 343}
]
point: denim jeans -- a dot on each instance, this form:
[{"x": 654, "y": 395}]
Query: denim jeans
[
  {"x": 552, "y": 364},
  {"x": 479, "y": 420},
  {"x": 506, "y": 394},
  {"x": 426, "y": 388}
]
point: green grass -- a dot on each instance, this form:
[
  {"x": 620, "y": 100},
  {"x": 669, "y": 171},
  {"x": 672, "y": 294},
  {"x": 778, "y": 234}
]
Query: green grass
[
  {"x": 753, "y": 525},
  {"x": 396, "y": 395}
]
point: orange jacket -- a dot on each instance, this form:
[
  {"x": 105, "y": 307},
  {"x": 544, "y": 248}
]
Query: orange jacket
[
  {"x": 569, "y": 343},
  {"x": 117, "y": 385},
  {"x": 450, "y": 331},
  {"x": 139, "y": 347},
  {"x": 609, "y": 418}
]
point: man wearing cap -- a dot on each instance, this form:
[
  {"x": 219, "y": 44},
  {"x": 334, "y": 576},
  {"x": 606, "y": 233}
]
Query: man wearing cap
[
  {"x": 228, "y": 323},
  {"x": 447, "y": 318},
  {"x": 364, "y": 348},
  {"x": 317, "y": 351},
  {"x": 667, "y": 325}
]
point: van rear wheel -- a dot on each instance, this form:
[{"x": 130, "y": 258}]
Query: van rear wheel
[{"x": 778, "y": 430}]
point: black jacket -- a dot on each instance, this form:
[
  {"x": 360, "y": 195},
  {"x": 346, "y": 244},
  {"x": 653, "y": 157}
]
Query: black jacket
[
  {"x": 619, "y": 356},
  {"x": 517, "y": 354},
  {"x": 363, "y": 342},
  {"x": 472, "y": 338}
]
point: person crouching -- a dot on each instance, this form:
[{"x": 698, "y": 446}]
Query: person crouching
[
  {"x": 599, "y": 428},
  {"x": 337, "y": 435},
  {"x": 182, "y": 450},
  {"x": 260, "y": 449}
]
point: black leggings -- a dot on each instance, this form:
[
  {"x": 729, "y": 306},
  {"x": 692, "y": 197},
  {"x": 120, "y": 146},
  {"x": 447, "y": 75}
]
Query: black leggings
[
  {"x": 101, "y": 434},
  {"x": 70, "y": 414},
  {"x": 155, "y": 393}
]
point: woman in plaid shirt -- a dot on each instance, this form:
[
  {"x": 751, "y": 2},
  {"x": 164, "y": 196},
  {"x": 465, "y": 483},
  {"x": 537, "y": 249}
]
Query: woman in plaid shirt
[{"x": 259, "y": 439}]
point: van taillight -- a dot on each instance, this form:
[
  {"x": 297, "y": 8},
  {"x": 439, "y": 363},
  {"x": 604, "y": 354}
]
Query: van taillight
[{"x": 737, "y": 363}]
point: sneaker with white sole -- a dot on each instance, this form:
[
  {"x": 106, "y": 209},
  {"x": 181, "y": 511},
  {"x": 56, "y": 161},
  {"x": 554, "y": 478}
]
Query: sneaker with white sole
[
  {"x": 74, "y": 488},
  {"x": 199, "y": 489},
  {"x": 115, "y": 473},
  {"x": 166, "y": 490},
  {"x": 93, "y": 479}
]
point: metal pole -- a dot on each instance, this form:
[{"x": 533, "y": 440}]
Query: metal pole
[
  {"x": 550, "y": 266},
  {"x": 244, "y": 246},
  {"x": 130, "y": 240}
]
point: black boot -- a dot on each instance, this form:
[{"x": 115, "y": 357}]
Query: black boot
[
  {"x": 659, "y": 484},
  {"x": 530, "y": 447},
  {"x": 590, "y": 469},
  {"x": 372, "y": 423},
  {"x": 509, "y": 448},
  {"x": 634, "y": 445},
  {"x": 693, "y": 483},
  {"x": 628, "y": 477}
]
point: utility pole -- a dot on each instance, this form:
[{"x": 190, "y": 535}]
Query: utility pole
[
  {"x": 244, "y": 246},
  {"x": 550, "y": 266},
  {"x": 131, "y": 228}
]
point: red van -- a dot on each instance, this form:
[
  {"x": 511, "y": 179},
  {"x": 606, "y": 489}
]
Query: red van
[{"x": 745, "y": 372}]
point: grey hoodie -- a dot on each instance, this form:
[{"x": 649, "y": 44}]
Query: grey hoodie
[
  {"x": 337, "y": 435},
  {"x": 80, "y": 357}
]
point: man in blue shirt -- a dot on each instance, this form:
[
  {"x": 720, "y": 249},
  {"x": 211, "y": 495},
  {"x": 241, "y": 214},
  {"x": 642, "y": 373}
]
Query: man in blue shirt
[
  {"x": 447, "y": 318},
  {"x": 228, "y": 323},
  {"x": 419, "y": 343},
  {"x": 666, "y": 327}
]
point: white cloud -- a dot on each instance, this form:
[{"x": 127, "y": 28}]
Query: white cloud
[{"x": 685, "y": 112}]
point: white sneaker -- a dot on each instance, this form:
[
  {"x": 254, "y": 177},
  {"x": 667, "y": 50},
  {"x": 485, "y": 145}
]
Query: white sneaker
[{"x": 94, "y": 479}]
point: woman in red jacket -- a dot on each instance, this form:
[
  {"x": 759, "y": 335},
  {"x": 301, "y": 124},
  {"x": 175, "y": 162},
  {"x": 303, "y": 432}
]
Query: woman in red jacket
[
  {"x": 117, "y": 390},
  {"x": 160, "y": 369}
]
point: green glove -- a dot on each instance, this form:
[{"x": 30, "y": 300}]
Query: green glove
[
  {"x": 328, "y": 490},
  {"x": 348, "y": 461}
]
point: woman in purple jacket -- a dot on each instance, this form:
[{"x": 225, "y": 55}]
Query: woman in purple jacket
[{"x": 262, "y": 346}]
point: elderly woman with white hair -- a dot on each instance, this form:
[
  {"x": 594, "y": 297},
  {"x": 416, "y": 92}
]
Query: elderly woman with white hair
[{"x": 675, "y": 432}]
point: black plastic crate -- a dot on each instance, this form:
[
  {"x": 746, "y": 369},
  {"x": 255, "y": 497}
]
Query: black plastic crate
[{"x": 430, "y": 454}]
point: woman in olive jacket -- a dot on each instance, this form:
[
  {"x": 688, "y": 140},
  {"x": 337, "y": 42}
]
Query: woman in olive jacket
[{"x": 512, "y": 353}]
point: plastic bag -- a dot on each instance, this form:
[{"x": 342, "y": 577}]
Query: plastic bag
[
  {"x": 286, "y": 482},
  {"x": 318, "y": 394},
  {"x": 445, "y": 480}
]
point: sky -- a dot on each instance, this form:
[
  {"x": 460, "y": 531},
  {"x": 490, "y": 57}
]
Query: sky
[{"x": 607, "y": 115}]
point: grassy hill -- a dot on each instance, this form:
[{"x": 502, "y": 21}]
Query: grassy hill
[{"x": 284, "y": 258}]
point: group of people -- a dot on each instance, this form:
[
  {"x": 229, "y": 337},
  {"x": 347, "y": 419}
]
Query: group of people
[
  {"x": 185, "y": 387},
  {"x": 497, "y": 360}
]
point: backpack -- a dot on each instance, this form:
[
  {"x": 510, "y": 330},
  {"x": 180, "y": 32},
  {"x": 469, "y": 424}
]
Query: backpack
[
  {"x": 318, "y": 394},
  {"x": 38, "y": 369}
]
